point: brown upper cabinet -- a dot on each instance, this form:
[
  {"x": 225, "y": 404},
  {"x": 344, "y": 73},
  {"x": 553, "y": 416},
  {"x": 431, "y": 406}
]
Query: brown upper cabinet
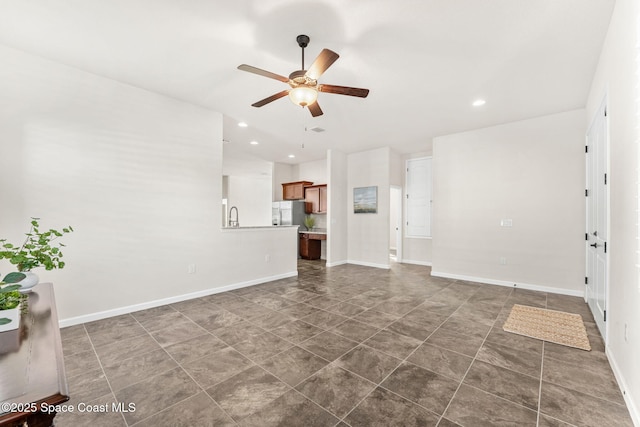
[
  {"x": 294, "y": 190},
  {"x": 317, "y": 196}
]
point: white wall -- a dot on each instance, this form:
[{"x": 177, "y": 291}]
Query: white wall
[
  {"x": 252, "y": 196},
  {"x": 531, "y": 172},
  {"x": 282, "y": 172},
  {"x": 616, "y": 78},
  {"x": 337, "y": 196},
  {"x": 315, "y": 171},
  {"x": 138, "y": 176},
  {"x": 396, "y": 168},
  {"x": 395, "y": 209},
  {"x": 368, "y": 238},
  {"x": 396, "y": 173},
  {"x": 415, "y": 250}
]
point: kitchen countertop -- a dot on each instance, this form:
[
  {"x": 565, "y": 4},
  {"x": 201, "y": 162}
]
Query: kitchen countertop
[
  {"x": 318, "y": 231},
  {"x": 258, "y": 227},
  {"x": 301, "y": 229}
]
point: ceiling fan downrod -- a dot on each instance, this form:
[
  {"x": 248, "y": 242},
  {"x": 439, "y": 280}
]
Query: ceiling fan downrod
[{"x": 303, "y": 41}]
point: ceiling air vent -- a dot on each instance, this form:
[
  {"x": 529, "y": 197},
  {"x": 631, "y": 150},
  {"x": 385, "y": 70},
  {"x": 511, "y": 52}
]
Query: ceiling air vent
[{"x": 317, "y": 129}]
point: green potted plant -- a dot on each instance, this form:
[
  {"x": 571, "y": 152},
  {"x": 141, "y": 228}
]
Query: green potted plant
[
  {"x": 12, "y": 303},
  {"x": 38, "y": 250},
  {"x": 309, "y": 222}
]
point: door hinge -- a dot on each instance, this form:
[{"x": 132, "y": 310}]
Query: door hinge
[
  {"x": 605, "y": 315},
  {"x": 586, "y": 236},
  {"x": 586, "y": 280},
  {"x": 586, "y": 193},
  {"x": 605, "y": 179},
  {"x": 605, "y": 112},
  {"x": 605, "y": 247},
  {"x": 586, "y": 148},
  {"x": 407, "y": 195}
]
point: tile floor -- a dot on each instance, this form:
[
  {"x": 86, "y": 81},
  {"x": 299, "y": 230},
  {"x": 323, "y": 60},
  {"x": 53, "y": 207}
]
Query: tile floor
[{"x": 345, "y": 346}]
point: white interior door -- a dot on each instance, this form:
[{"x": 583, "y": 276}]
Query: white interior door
[{"x": 597, "y": 218}]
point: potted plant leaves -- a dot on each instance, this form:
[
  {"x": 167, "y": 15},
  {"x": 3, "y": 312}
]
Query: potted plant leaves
[
  {"x": 309, "y": 222},
  {"x": 39, "y": 249},
  {"x": 12, "y": 303}
]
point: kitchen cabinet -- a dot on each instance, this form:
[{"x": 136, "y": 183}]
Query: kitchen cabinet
[
  {"x": 294, "y": 190},
  {"x": 310, "y": 245},
  {"x": 316, "y": 195}
]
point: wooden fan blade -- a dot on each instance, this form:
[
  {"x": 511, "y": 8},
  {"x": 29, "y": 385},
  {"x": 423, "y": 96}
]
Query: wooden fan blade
[
  {"x": 270, "y": 99},
  {"x": 260, "y": 72},
  {"x": 344, "y": 90},
  {"x": 321, "y": 63},
  {"x": 315, "y": 109}
]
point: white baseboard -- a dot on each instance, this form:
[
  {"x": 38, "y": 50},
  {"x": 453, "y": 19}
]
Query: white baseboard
[
  {"x": 624, "y": 389},
  {"x": 411, "y": 261},
  {"x": 366, "y": 264},
  {"x": 63, "y": 323},
  {"x": 370, "y": 264},
  {"x": 334, "y": 264},
  {"x": 509, "y": 284}
]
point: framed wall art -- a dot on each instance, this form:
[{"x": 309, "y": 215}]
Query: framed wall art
[{"x": 365, "y": 200}]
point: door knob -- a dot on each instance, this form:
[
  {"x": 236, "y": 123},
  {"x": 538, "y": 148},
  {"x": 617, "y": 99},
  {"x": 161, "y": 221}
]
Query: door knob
[{"x": 595, "y": 245}]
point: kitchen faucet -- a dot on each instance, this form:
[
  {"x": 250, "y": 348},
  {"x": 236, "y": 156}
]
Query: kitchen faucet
[{"x": 233, "y": 223}]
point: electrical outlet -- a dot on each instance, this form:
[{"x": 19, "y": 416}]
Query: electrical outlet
[
  {"x": 506, "y": 223},
  {"x": 503, "y": 261},
  {"x": 267, "y": 258},
  {"x": 191, "y": 268}
]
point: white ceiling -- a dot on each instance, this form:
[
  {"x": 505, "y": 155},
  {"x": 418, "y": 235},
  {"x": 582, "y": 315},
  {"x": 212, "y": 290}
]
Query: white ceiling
[{"x": 424, "y": 61}]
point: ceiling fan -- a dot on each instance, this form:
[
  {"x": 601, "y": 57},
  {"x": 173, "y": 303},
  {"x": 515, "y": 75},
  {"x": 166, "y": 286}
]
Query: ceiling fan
[{"x": 304, "y": 83}]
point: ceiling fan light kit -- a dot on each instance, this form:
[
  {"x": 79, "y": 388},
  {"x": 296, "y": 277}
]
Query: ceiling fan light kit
[
  {"x": 303, "y": 95},
  {"x": 304, "y": 83}
]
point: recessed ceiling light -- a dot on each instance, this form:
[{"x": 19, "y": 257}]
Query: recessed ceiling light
[
  {"x": 291, "y": 156},
  {"x": 242, "y": 124},
  {"x": 254, "y": 143},
  {"x": 479, "y": 102}
]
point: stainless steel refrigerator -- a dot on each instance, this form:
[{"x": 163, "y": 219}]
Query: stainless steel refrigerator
[{"x": 288, "y": 212}]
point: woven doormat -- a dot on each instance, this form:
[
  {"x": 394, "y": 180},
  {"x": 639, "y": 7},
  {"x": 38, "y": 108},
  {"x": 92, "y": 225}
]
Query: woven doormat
[{"x": 548, "y": 325}]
